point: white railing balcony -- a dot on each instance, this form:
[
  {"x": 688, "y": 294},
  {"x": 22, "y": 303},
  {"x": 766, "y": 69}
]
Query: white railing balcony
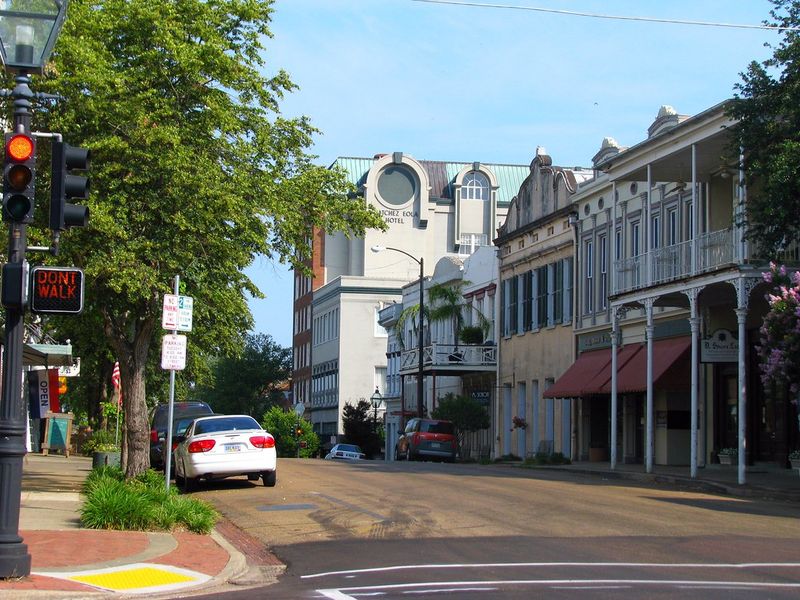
[
  {"x": 708, "y": 252},
  {"x": 450, "y": 357}
]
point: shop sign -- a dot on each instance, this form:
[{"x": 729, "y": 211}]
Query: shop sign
[{"x": 721, "y": 347}]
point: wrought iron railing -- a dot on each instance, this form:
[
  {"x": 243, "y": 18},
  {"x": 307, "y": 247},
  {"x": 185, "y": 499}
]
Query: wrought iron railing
[
  {"x": 712, "y": 250},
  {"x": 439, "y": 355}
]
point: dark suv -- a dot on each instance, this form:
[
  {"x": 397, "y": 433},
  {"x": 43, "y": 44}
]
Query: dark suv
[
  {"x": 427, "y": 438},
  {"x": 158, "y": 425}
]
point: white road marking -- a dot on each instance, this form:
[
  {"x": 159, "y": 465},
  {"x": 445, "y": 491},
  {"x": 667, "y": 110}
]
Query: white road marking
[
  {"x": 350, "y": 572},
  {"x": 342, "y": 593}
]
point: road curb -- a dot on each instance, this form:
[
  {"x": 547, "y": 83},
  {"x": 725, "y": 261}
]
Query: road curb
[{"x": 696, "y": 484}]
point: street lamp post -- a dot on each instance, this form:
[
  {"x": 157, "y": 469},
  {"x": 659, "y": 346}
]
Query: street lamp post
[
  {"x": 376, "y": 400},
  {"x": 420, "y": 345},
  {"x": 26, "y": 41}
]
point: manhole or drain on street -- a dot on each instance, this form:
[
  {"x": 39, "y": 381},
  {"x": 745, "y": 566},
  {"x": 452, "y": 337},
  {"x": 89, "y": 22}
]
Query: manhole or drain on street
[{"x": 287, "y": 507}]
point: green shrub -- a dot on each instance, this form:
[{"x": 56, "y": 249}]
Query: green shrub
[
  {"x": 507, "y": 457},
  {"x": 140, "y": 504},
  {"x": 542, "y": 458},
  {"x": 100, "y": 440}
]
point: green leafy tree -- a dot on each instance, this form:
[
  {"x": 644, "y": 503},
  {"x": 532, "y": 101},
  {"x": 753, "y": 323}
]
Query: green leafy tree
[
  {"x": 467, "y": 415},
  {"x": 194, "y": 172},
  {"x": 767, "y": 106},
  {"x": 282, "y": 425},
  {"x": 246, "y": 384},
  {"x": 360, "y": 428}
]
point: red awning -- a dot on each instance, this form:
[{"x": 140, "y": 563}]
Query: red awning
[
  {"x": 671, "y": 360},
  {"x": 591, "y": 373},
  {"x": 587, "y": 368}
]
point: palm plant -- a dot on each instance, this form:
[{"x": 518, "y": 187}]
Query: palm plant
[
  {"x": 410, "y": 312},
  {"x": 447, "y": 304}
]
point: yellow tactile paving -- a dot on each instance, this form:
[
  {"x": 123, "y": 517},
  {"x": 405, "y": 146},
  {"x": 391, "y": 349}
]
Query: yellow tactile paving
[
  {"x": 127, "y": 579},
  {"x": 141, "y": 578}
]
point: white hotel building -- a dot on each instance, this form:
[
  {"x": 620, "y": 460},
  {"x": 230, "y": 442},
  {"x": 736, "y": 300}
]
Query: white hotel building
[{"x": 433, "y": 209}]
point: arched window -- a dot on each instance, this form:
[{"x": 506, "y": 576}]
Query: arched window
[{"x": 475, "y": 186}]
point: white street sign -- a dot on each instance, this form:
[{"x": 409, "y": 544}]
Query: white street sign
[
  {"x": 177, "y": 312},
  {"x": 173, "y": 352},
  {"x": 299, "y": 408},
  {"x": 72, "y": 370}
]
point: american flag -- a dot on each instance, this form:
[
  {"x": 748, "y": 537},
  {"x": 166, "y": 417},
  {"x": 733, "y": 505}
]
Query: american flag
[{"x": 115, "y": 381}]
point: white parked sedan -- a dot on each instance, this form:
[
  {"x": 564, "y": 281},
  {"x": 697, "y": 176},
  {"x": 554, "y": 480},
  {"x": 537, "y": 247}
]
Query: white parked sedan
[
  {"x": 223, "y": 446},
  {"x": 345, "y": 451}
]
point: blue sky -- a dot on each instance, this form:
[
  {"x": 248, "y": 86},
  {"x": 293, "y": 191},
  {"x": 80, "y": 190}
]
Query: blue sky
[{"x": 466, "y": 83}]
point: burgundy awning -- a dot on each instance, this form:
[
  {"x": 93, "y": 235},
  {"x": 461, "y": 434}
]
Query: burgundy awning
[
  {"x": 671, "y": 358},
  {"x": 587, "y": 368},
  {"x": 591, "y": 373}
]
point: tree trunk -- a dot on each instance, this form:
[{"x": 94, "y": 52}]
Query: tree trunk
[{"x": 132, "y": 356}]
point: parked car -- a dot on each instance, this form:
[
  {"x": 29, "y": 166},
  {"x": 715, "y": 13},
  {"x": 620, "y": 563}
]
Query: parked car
[
  {"x": 220, "y": 446},
  {"x": 427, "y": 438},
  {"x": 345, "y": 452},
  {"x": 158, "y": 425},
  {"x": 179, "y": 427}
]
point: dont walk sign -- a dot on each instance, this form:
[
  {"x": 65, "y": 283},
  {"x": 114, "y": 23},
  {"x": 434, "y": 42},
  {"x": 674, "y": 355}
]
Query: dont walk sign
[{"x": 57, "y": 290}]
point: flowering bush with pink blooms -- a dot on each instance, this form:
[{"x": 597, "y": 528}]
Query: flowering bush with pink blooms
[{"x": 779, "y": 347}]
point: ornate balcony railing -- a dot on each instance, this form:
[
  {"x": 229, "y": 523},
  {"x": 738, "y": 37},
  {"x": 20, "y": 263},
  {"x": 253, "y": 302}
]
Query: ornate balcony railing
[
  {"x": 469, "y": 357},
  {"x": 708, "y": 252}
]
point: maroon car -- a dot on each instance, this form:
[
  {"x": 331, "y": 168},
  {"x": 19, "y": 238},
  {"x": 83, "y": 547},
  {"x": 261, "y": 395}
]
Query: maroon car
[{"x": 427, "y": 438}]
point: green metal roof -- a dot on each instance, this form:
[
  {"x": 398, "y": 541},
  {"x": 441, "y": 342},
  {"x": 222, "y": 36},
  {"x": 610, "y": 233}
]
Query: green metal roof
[{"x": 441, "y": 175}]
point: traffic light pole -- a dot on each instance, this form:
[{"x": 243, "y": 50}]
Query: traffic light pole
[{"x": 15, "y": 560}]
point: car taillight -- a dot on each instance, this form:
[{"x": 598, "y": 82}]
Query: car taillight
[
  {"x": 263, "y": 441},
  {"x": 174, "y": 445},
  {"x": 154, "y": 436},
  {"x": 201, "y": 446}
]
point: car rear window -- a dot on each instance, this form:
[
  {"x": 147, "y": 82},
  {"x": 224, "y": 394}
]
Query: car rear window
[
  {"x": 346, "y": 448},
  {"x": 225, "y": 424},
  {"x": 179, "y": 409},
  {"x": 436, "y": 427}
]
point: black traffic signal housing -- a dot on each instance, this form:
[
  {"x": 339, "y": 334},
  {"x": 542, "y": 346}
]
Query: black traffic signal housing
[
  {"x": 65, "y": 186},
  {"x": 19, "y": 178},
  {"x": 299, "y": 431}
]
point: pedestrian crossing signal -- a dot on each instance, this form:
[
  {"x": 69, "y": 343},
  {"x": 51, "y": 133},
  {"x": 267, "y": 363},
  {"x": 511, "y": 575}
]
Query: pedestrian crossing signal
[{"x": 56, "y": 290}]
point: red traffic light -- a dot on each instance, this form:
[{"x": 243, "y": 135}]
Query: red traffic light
[{"x": 20, "y": 147}]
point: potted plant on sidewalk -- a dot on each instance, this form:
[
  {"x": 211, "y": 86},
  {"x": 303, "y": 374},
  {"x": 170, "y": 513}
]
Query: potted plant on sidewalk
[
  {"x": 102, "y": 448},
  {"x": 728, "y": 456}
]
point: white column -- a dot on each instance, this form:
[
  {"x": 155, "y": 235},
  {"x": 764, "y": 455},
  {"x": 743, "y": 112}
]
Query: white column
[
  {"x": 741, "y": 315},
  {"x": 614, "y": 335},
  {"x": 648, "y": 272},
  {"x": 694, "y": 323},
  {"x": 695, "y": 214},
  {"x": 648, "y": 305}
]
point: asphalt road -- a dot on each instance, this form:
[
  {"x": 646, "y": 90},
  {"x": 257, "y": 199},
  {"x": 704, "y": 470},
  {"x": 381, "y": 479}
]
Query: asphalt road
[{"x": 430, "y": 530}]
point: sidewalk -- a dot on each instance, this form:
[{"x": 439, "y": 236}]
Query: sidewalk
[
  {"x": 68, "y": 561},
  {"x": 761, "y": 481}
]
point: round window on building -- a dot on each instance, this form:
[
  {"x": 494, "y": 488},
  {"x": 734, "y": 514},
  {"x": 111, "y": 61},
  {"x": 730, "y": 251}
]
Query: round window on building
[{"x": 397, "y": 185}]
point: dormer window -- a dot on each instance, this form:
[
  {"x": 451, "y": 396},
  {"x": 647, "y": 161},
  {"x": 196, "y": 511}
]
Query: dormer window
[{"x": 475, "y": 186}]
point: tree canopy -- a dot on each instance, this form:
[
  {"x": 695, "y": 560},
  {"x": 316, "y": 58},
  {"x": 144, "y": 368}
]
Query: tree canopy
[
  {"x": 466, "y": 414},
  {"x": 247, "y": 384},
  {"x": 767, "y": 106},
  {"x": 194, "y": 173}
]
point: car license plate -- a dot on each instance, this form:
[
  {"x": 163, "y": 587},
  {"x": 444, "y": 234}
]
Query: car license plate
[
  {"x": 435, "y": 444},
  {"x": 233, "y": 447}
]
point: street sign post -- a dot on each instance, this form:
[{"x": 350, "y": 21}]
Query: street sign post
[
  {"x": 177, "y": 312},
  {"x": 173, "y": 352}
]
